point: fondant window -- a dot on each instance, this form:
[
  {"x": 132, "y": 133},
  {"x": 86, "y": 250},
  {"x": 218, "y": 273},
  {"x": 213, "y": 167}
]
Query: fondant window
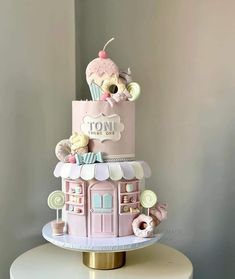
[
  {"x": 107, "y": 201},
  {"x": 96, "y": 201}
]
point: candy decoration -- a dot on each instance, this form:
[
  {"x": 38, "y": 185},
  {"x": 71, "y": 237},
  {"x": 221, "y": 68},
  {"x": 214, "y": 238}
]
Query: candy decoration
[
  {"x": 62, "y": 150},
  {"x": 148, "y": 198},
  {"x": 143, "y": 226},
  {"x": 159, "y": 213},
  {"x": 89, "y": 158},
  {"x": 113, "y": 85},
  {"x": 134, "y": 89},
  {"x": 78, "y": 141},
  {"x": 103, "y": 75},
  {"x": 56, "y": 200}
]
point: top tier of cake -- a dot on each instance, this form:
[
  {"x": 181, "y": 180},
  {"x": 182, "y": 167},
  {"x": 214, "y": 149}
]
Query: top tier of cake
[{"x": 111, "y": 129}]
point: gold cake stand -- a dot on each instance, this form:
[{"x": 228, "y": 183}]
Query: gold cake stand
[
  {"x": 100, "y": 253},
  {"x": 107, "y": 260}
]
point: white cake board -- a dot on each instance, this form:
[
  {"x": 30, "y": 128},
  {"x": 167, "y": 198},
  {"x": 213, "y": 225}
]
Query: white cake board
[{"x": 98, "y": 245}]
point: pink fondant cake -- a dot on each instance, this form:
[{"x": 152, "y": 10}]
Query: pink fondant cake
[
  {"x": 111, "y": 130},
  {"x": 101, "y": 192}
]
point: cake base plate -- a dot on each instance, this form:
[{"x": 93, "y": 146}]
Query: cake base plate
[
  {"x": 100, "y": 253},
  {"x": 98, "y": 245}
]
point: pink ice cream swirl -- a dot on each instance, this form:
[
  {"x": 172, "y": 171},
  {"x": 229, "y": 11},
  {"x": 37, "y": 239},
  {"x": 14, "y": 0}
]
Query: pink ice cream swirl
[{"x": 100, "y": 69}]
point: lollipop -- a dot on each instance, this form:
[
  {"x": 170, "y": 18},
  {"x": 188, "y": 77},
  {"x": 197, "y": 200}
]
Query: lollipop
[
  {"x": 148, "y": 199},
  {"x": 56, "y": 200}
]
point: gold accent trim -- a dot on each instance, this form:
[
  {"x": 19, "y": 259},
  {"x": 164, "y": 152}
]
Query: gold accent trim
[{"x": 104, "y": 260}]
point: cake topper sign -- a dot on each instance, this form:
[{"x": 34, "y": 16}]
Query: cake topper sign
[{"x": 103, "y": 127}]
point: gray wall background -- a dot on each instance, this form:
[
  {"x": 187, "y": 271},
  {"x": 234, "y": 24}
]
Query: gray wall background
[
  {"x": 37, "y": 85},
  {"x": 183, "y": 55}
]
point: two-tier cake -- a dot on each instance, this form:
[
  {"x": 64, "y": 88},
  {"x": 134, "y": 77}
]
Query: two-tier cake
[{"x": 102, "y": 194}]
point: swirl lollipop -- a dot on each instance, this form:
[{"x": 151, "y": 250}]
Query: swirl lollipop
[
  {"x": 56, "y": 200},
  {"x": 148, "y": 199}
]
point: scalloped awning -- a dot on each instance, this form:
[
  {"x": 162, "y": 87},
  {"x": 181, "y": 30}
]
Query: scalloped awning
[{"x": 103, "y": 171}]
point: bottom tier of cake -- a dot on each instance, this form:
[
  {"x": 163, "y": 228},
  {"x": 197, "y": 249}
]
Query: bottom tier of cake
[{"x": 100, "y": 208}]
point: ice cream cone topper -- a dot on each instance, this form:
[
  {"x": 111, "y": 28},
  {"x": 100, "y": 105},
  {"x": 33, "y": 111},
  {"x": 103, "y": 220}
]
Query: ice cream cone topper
[
  {"x": 107, "y": 83},
  {"x": 100, "y": 69}
]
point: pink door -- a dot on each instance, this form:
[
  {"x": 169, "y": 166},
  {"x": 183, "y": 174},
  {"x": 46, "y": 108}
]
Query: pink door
[{"x": 102, "y": 209}]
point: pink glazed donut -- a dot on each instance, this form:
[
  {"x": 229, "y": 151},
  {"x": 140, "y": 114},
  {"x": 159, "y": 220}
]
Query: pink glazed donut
[{"x": 143, "y": 226}]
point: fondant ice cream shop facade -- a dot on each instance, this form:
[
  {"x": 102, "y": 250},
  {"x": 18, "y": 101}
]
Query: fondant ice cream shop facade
[{"x": 100, "y": 208}]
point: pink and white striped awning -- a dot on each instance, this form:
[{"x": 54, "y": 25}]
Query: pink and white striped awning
[{"x": 103, "y": 171}]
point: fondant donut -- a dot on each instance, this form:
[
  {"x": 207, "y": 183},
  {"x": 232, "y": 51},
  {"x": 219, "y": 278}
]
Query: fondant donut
[
  {"x": 62, "y": 150},
  {"x": 113, "y": 86},
  {"x": 143, "y": 226}
]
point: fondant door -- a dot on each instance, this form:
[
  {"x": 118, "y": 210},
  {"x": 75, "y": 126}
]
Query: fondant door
[{"x": 102, "y": 209}]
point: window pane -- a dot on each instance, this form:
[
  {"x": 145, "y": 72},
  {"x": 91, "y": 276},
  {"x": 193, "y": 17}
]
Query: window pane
[
  {"x": 107, "y": 200},
  {"x": 96, "y": 201}
]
